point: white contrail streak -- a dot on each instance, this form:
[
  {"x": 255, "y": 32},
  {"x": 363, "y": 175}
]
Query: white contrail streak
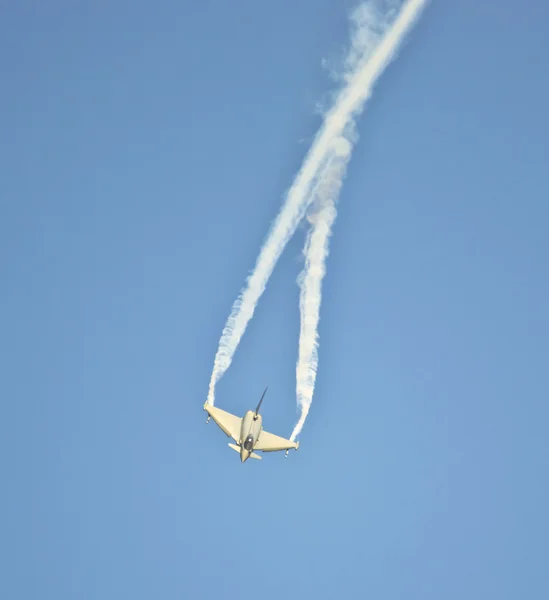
[
  {"x": 244, "y": 306},
  {"x": 367, "y": 65},
  {"x": 323, "y": 212}
]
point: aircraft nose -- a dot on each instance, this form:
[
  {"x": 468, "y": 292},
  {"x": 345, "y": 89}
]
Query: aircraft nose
[{"x": 244, "y": 455}]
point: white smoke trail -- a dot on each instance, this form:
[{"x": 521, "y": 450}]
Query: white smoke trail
[
  {"x": 243, "y": 308},
  {"x": 374, "y": 45},
  {"x": 323, "y": 209},
  {"x": 321, "y": 218}
]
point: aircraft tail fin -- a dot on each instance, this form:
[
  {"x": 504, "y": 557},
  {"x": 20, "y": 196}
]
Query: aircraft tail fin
[{"x": 262, "y": 396}]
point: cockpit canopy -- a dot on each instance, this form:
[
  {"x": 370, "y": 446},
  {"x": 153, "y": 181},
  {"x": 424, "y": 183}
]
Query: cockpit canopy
[{"x": 249, "y": 443}]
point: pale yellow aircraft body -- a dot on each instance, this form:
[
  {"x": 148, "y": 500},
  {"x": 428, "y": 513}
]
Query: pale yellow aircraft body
[{"x": 248, "y": 432}]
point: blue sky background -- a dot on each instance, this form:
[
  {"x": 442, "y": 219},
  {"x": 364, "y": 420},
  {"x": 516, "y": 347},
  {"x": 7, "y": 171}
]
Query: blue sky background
[{"x": 145, "y": 149}]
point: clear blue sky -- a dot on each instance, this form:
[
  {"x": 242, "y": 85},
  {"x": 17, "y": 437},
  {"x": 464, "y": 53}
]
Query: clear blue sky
[{"x": 145, "y": 148}]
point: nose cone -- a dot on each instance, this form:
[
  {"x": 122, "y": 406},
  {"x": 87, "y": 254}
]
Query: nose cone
[{"x": 244, "y": 455}]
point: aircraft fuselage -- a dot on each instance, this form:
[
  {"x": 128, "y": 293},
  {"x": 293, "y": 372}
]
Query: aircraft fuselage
[{"x": 249, "y": 433}]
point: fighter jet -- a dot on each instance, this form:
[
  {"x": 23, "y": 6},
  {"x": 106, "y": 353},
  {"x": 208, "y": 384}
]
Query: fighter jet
[{"x": 248, "y": 432}]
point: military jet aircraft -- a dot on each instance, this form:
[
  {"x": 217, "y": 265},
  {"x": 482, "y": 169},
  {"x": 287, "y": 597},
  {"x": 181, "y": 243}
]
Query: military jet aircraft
[{"x": 248, "y": 432}]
